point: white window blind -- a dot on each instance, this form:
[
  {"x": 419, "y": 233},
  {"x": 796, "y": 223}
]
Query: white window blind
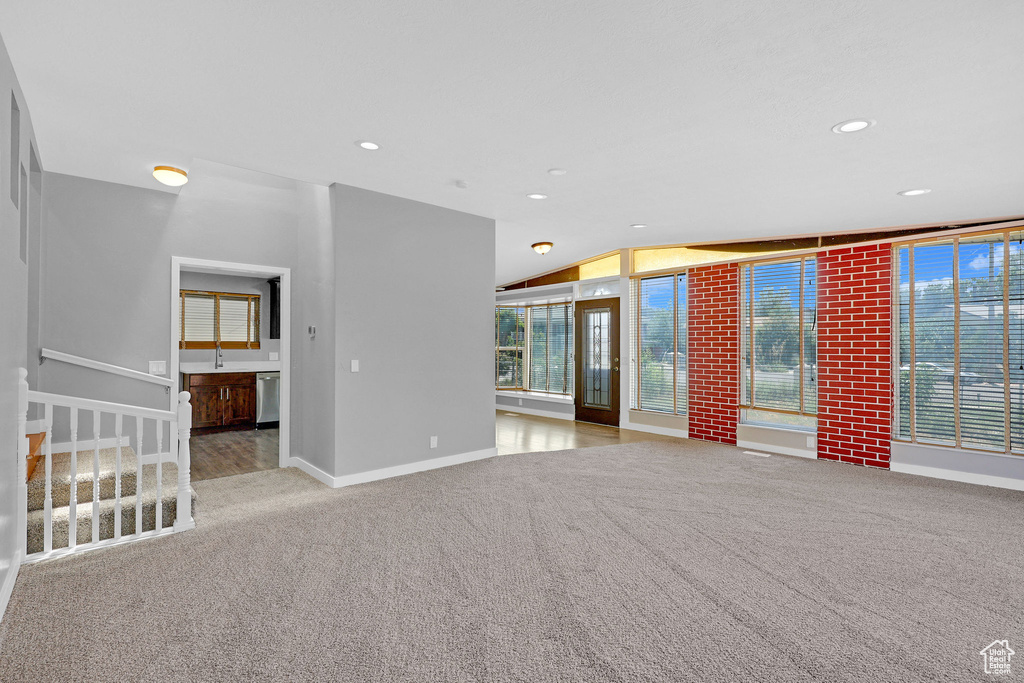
[
  {"x": 660, "y": 321},
  {"x": 778, "y": 333},
  {"x": 550, "y": 348},
  {"x": 211, "y": 317},
  {"x": 961, "y": 341},
  {"x": 509, "y": 341}
]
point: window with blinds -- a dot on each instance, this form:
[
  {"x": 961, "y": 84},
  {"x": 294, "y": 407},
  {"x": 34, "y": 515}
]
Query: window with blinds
[
  {"x": 961, "y": 342},
  {"x": 211, "y": 317},
  {"x": 658, "y": 312},
  {"x": 509, "y": 342},
  {"x": 533, "y": 348},
  {"x": 550, "y": 348},
  {"x": 778, "y": 332}
]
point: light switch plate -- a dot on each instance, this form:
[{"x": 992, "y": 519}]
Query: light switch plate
[
  {"x": 355, "y": 366},
  {"x": 274, "y": 355},
  {"x": 433, "y": 442},
  {"x": 158, "y": 367}
]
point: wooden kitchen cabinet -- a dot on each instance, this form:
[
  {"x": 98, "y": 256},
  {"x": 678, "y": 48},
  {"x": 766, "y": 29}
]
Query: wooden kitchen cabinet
[{"x": 222, "y": 401}]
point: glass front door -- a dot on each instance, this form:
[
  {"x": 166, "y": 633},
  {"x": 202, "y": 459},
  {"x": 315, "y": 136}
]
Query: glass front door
[{"x": 597, "y": 361}]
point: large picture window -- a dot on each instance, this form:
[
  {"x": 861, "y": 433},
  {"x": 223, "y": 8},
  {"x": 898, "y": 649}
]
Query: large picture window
[
  {"x": 778, "y": 329},
  {"x": 659, "y": 319},
  {"x": 533, "y": 348},
  {"x": 209, "y": 318},
  {"x": 961, "y": 342}
]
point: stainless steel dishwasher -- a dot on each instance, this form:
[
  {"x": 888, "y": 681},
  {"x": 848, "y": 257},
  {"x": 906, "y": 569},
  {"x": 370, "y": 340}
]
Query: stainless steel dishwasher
[{"x": 268, "y": 399}]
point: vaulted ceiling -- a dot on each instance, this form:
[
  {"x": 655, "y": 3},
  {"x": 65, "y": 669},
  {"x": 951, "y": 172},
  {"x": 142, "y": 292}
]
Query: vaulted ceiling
[{"x": 705, "y": 120}]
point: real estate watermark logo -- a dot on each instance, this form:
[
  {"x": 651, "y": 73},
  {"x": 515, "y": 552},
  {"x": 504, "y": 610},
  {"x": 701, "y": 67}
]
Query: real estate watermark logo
[{"x": 997, "y": 657}]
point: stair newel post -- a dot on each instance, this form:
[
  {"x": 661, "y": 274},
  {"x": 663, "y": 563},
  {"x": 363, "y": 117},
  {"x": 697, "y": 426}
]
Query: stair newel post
[
  {"x": 73, "y": 494},
  {"x": 184, "y": 519},
  {"x": 23, "y": 461},
  {"x": 96, "y": 476},
  {"x": 118, "y": 427},
  {"x": 48, "y": 500}
]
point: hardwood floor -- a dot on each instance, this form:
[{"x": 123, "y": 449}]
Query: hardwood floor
[
  {"x": 517, "y": 433},
  {"x": 229, "y": 453}
]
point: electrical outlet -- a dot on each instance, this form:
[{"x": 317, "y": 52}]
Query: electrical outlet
[
  {"x": 355, "y": 366},
  {"x": 433, "y": 442},
  {"x": 520, "y": 401},
  {"x": 810, "y": 442},
  {"x": 158, "y": 367}
]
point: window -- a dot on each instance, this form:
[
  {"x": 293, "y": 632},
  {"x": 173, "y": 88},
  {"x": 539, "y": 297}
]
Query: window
[
  {"x": 550, "y": 349},
  {"x": 659, "y": 312},
  {"x": 778, "y": 330},
  {"x": 961, "y": 342},
  {"x": 509, "y": 340},
  {"x": 211, "y": 317},
  {"x": 533, "y": 347}
]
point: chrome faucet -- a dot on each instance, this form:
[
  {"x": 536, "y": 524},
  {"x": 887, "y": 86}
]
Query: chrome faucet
[{"x": 218, "y": 359}]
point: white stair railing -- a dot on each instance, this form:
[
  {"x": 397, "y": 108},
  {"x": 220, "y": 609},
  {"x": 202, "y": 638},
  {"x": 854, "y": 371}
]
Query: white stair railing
[{"x": 177, "y": 425}]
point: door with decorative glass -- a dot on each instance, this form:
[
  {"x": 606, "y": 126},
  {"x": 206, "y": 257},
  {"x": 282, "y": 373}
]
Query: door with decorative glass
[{"x": 597, "y": 361}]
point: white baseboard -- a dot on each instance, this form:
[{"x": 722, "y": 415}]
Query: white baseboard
[
  {"x": 534, "y": 411},
  {"x": 779, "y": 450},
  {"x": 87, "y": 444},
  {"x": 389, "y": 472},
  {"x": 954, "y": 475},
  {"x": 8, "y": 586}
]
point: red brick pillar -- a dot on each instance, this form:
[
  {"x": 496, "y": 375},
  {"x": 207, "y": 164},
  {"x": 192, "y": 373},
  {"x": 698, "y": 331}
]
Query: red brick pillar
[
  {"x": 855, "y": 355},
  {"x": 714, "y": 352}
]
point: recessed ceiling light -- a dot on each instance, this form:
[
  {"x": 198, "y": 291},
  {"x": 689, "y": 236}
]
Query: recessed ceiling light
[
  {"x": 366, "y": 144},
  {"x": 169, "y": 175},
  {"x": 639, "y": 225},
  {"x": 852, "y": 126},
  {"x": 913, "y": 193},
  {"x": 542, "y": 247},
  {"x": 536, "y": 195},
  {"x": 557, "y": 171}
]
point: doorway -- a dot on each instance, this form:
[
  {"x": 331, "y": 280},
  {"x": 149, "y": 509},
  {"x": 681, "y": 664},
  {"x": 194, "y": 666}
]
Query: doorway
[
  {"x": 229, "y": 447},
  {"x": 597, "y": 361}
]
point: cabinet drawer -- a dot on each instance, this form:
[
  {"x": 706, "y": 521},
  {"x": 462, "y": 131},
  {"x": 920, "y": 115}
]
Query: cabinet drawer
[{"x": 220, "y": 379}]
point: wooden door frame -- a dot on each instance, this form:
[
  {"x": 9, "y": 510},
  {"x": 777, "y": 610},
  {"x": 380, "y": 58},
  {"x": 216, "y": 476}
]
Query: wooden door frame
[
  {"x": 615, "y": 375},
  {"x": 194, "y": 265}
]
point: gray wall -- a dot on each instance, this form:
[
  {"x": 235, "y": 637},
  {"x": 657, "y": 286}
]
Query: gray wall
[
  {"x": 106, "y": 282},
  {"x": 209, "y": 282},
  {"x": 14, "y": 330},
  {"x": 414, "y": 304}
]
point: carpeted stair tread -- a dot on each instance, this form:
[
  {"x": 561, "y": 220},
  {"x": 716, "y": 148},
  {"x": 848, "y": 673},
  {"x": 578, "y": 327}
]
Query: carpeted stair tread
[
  {"x": 61, "y": 485},
  {"x": 83, "y": 520}
]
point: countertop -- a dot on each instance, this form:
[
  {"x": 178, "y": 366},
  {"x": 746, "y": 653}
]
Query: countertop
[{"x": 231, "y": 366}]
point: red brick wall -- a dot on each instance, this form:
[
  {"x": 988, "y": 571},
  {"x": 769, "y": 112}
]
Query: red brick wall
[
  {"x": 855, "y": 355},
  {"x": 714, "y": 352}
]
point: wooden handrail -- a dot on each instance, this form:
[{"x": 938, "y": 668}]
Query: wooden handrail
[
  {"x": 104, "y": 406},
  {"x": 106, "y": 367}
]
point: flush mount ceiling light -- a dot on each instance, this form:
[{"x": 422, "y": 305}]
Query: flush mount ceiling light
[
  {"x": 366, "y": 144},
  {"x": 557, "y": 171},
  {"x": 536, "y": 195},
  {"x": 913, "y": 193},
  {"x": 639, "y": 225},
  {"x": 169, "y": 175},
  {"x": 542, "y": 247},
  {"x": 852, "y": 126}
]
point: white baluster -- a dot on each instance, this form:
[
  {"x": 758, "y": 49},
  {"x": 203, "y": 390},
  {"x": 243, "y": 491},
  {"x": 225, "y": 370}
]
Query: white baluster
[
  {"x": 73, "y": 495},
  {"x": 139, "y": 429},
  {"x": 118, "y": 424},
  {"x": 48, "y": 502},
  {"x": 184, "y": 507},
  {"x": 22, "y": 529},
  {"x": 96, "y": 477},
  {"x": 158, "y": 522}
]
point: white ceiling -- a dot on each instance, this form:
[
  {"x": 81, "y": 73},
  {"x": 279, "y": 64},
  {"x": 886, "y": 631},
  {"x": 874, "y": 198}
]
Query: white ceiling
[{"x": 707, "y": 120}]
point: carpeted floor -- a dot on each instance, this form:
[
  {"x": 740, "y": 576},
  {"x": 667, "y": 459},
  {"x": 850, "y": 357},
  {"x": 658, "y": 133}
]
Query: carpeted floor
[{"x": 638, "y": 562}]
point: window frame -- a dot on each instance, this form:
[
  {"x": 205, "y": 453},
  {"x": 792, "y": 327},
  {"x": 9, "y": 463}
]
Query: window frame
[
  {"x": 252, "y": 321},
  {"x": 748, "y": 335},
  {"x": 1008, "y": 235},
  {"x": 568, "y": 349},
  {"x": 520, "y": 347}
]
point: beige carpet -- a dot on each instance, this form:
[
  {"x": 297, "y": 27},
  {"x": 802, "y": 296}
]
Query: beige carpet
[{"x": 639, "y": 562}]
